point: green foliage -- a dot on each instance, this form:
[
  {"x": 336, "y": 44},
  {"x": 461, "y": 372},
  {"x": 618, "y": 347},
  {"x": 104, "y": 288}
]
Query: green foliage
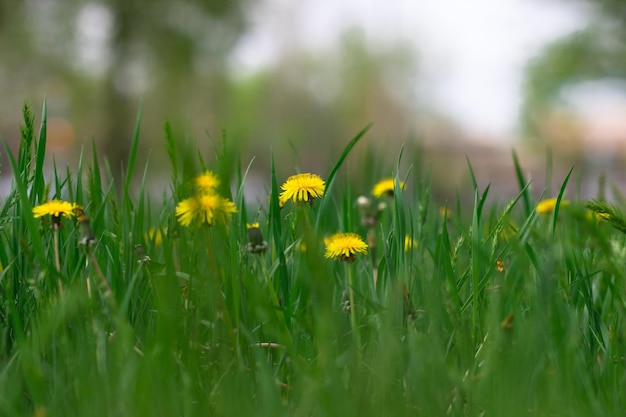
[
  {"x": 592, "y": 54},
  {"x": 506, "y": 311}
]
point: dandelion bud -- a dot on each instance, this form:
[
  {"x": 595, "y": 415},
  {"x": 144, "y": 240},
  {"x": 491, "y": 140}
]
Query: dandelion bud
[{"x": 256, "y": 244}]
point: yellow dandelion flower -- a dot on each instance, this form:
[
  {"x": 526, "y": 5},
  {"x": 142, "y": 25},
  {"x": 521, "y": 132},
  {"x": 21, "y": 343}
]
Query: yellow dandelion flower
[
  {"x": 344, "y": 246},
  {"x": 187, "y": 210},
  {"x": 409, "y": 243},
  {"x": 282, "y": 201},
  {"x": 207, "y": 182},
  {"x": 385, "y": 187},
  {"x": 155, "y": 235},
  {"x": 205, "y": 208},
  {"x": 54, "y": 208},
  {"x": 547, "y": 206},
  {"x": 302, "y": 187}
]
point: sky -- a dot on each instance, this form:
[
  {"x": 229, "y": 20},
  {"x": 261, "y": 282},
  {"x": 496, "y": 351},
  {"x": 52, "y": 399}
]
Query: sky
[{"x": 471, "y": 53}]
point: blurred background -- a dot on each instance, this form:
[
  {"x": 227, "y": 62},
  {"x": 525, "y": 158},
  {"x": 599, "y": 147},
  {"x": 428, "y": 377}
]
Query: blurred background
[{"x": 449, "y": 78}]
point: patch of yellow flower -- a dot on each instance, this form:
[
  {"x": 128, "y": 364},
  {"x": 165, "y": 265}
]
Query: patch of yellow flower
[
  {"x": 548, "y": 205},
  {"x": 386, "y": 187},
  {"x": 302, "y": 187},
  {"x": 344, "y": 246},
  {"x": 206, "y": 206}
]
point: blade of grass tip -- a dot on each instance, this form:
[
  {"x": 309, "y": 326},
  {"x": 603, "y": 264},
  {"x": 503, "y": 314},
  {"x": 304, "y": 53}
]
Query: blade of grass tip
[
  {"x": 521, "y": 182},
  {"x": 471, "y": 171},
  {"x": 203, "y": 167},
  {"x": 239, "y": 198},
  {"x": 133, "y": 152},
  {"x": 277, "y": 237},
  {"x": 55, "y": 173},
  {"x": 504, "y": 215},
  {"x": 27, "y": 208},
  {"x": 136, "y": 219},
  {"x": 79, "y": 178},
  {"x": 170, "y": 148},
  {"x": 333, "y": 172},
  {"x": 347, "y": 205},
  {"x": 549, "y": 170},
  {"x": 140, "y": 210},
  {"x": 400, "y": 218},
  {"x": 481, "y": 203},
  {"x": 95, "y": 179},
  {"x": 68, "y": 183},
  {"x": 425, "y": 201},
  {"x": 558, "y": 200},
  {"x": 39, "y": 184}
]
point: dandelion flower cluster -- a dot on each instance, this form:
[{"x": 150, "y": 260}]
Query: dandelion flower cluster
[
  {"x": 206, "y": 206},
  {"x": 344, "y": 247},
  {"x": 385, "y": 187},
  {"x": 302, "y": 187}
]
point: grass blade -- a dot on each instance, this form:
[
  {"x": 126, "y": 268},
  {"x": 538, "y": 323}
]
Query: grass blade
[
  {"x": 37, "y": 192},
  {"x": 521, "y": 182},
  {"x": 132, "y": 157},
  {"x": 558, "y": 200},
  {"x": 333, "y": 172}
]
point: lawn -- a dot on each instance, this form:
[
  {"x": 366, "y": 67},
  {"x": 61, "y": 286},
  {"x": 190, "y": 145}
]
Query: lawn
[{"x": 320, "y": 300}]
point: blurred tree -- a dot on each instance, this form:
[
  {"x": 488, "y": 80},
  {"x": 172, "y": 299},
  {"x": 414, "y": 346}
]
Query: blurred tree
[
  {"x": 596, "y": 53},
  {"x": 317, "y": 102},
  {"x": 104, "y": 54}
]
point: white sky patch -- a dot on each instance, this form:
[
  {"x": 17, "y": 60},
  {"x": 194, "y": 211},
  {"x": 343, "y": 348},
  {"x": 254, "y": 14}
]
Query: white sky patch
[
  {"x": 93, "y": 32},
  {"x": 471, "y": 53}
]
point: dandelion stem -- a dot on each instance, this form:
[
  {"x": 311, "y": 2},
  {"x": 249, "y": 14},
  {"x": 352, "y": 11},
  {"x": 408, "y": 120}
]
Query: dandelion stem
[
  {"x": 270, "y": 286},
  {"x": 276, "y": 303},
  {"x": 371, "y": 242},
  {"x": 57, "y": 261},
  {"x": 221, "y": 298},
  {"x": 355, "y": 329},
  {"x": 103, "y": 282}
]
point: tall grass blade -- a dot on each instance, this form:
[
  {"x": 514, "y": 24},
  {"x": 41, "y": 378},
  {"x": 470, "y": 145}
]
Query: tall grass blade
[
  {"x": 37, "y": 192},
  {"x": 472, "y": 175},
  {"x": 558, "y": 200},
  {"x": 132, "y": 157},
  {"x": 27, "y": 208},
  {"x": 521, "y": 182},
  {"x": 276, "y": 229},
  {"x": 333, "y": 172}
]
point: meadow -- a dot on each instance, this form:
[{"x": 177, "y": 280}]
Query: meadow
[{"x": 318, "y": 301}]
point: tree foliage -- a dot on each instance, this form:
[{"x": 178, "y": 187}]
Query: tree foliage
[
  {"x": 597, "y": 52},
  {"x": 111, "y": 51}
]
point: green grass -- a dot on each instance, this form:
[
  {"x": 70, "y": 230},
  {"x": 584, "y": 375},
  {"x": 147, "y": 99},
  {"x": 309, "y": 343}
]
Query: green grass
[{"x": 191, "y": 326}]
